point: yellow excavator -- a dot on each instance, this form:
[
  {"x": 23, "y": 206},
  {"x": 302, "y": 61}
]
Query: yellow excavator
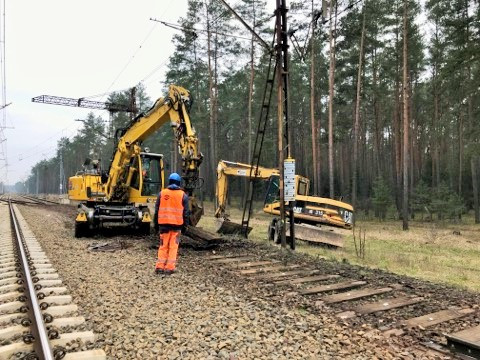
[
  {"x": 135, "y": 175},
  {"x": 317, "y": 219}
]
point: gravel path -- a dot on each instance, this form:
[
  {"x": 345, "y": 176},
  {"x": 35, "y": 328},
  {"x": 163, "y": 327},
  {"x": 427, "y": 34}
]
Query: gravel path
[{"x": 201, "y": 312}]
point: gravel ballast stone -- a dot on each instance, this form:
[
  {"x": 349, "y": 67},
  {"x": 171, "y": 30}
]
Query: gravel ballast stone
[{"x": 200, "y": 312}]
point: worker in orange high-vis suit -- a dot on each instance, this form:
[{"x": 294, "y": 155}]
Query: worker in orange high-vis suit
[{"x": 171, "y": 210}]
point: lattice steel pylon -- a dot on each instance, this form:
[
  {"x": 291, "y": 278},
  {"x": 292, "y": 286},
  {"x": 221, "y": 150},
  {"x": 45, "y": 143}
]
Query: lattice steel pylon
[{"x": 81, "y": 102}]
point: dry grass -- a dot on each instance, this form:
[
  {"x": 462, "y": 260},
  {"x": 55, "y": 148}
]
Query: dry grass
[{"x": 439, "y": 252}]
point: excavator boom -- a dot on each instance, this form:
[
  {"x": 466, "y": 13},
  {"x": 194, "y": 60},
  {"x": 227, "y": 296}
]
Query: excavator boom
[
  {"x": 230, "y": 168},
  {"x": 173, "y": 109},
  {"x": 127, "y": 191}
]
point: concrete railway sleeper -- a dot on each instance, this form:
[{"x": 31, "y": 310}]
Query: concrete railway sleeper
[
  {"x": 330, "y": 290},
  {"x": 36, "y": 313}
]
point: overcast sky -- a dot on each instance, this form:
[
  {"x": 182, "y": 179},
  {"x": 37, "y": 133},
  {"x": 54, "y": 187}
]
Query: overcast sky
[{"x": 76, "y": 49}]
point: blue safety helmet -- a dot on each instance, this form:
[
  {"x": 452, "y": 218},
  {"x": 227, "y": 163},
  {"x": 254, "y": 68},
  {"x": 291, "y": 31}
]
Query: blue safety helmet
[{"x": 174, "y": 178}]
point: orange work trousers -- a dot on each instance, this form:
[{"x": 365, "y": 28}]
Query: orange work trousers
[{"x": 168, "y": 249}]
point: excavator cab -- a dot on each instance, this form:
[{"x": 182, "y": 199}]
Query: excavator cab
[
  {"x": 147, "y": 177},
  {"x": 273, "y": 190},
  {"x": 152, "y": 174},
  {"x": 302, "y": 185}
]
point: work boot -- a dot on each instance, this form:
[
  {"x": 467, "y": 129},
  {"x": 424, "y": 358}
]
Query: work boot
[
  {"x": 169, "y": 272},
  {"x": 159, "y": 271}
]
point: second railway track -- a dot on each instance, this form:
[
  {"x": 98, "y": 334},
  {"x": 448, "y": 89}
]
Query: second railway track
[
  {"x": 37, "y": 317},
  {"x": 416, "y": 320}
]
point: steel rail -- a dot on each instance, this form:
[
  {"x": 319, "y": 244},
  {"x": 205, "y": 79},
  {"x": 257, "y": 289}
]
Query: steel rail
[
  {"x": 42, "y": 346},
  {"x": 40, "y": 201}
]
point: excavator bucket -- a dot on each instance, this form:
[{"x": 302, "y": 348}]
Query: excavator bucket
[
  {"x": 196, "y": 211},
  {"x": 325, "y": 235},
  {"x": 228, "y": 227}
]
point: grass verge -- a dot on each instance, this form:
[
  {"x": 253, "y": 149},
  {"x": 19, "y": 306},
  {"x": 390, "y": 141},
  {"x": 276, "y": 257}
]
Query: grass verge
[{"x": 438, "y": 252}]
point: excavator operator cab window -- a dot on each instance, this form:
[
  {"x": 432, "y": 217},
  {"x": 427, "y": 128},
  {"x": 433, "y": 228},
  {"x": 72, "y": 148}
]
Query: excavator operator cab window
[
  {"x": 273, "y": 190},
  {"x": 135, "y": 181},
  {"x": 151, "y": 174},
  {"x": 302, "y": 187}
]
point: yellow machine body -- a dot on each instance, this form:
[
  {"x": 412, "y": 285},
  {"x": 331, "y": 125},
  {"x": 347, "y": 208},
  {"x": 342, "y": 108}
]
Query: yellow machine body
[
  {"x": 135, "y": 176},
  {"x": 311, "y": 213}
]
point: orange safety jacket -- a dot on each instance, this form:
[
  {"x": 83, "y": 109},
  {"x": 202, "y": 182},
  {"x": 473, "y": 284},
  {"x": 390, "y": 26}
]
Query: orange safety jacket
[{"x": 171, "y": 207}]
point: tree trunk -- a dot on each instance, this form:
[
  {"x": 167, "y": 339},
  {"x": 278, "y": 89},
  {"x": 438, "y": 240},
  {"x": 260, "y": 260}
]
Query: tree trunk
[
  {"x": 474, "y": 164},
  {"x": 460, "y": 151},
  {"x": 357, "y": 114},
  {"x": 341, "y": 173},
  {"x": 318, "y": 190},
  {"x": 250, "y": 100},
  {"x": 435, "y": 157},
  {"x": 211, "y": 99},
  {"x": 376, "y": 112},
  {"x": 312, "y": 106},
  {"x": 412, "y": 132},
  {"x": 250, "y": 89},
  {"x": 397, "y": 146},
  {"x": 331, "y": 79},
  {"x": 405, "y": 119}
]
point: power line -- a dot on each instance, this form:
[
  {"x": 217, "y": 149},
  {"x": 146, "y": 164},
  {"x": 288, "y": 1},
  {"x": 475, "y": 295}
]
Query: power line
[
  {"x": 44, "y": 141},
  {"x": 136, "y": 51},
  {"x": 194, "y": 30},
  {"x": 130, "y": 60},
  {"x": 158, "y": 67},
  {"x": 348, "y": 7},
  {"x": 252, "y": 31}
]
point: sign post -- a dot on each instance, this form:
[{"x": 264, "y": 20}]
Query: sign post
[{"x": 289, "y": 193}]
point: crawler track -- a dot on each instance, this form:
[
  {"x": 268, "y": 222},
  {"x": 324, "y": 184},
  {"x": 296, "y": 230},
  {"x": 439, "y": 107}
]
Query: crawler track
[
  {"x": 416, "y": 318},
  {"x": 37, "y": 317}
]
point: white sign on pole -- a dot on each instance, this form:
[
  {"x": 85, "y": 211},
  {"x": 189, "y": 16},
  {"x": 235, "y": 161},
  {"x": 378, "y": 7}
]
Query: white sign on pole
[{"x": 289, "y": 179}]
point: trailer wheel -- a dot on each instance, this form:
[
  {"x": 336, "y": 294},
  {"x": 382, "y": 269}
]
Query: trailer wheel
[
  {"x": 271, "y": 229},
  {"x": 276, "y": 231}
]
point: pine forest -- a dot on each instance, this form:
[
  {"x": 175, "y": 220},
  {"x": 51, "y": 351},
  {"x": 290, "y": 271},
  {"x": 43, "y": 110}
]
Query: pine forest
[{"x": 384, "y": 102}]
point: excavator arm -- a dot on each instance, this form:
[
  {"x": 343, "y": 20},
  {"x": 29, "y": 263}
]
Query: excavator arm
[
  {"x": 229, "y": 168},
  {"x": 173, "y": 109}
]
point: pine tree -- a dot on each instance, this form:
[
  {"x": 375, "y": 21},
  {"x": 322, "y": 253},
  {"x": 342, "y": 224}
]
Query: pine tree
[{"x": 381, "y": 197}]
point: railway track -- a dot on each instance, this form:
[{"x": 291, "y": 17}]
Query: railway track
[
  {"x": 412, "y": 318},
  {"x": 37, "y": 317},
  {"x": 37, "y": 200}
]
